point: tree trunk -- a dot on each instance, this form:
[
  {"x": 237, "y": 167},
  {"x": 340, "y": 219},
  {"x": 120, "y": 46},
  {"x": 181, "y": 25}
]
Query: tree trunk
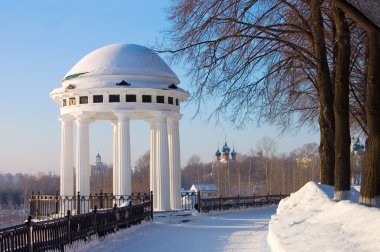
[
  {"x": 325, "y": 93},
  {"x": 370, "y": 189},
  {"x": 341, "y": 106}
]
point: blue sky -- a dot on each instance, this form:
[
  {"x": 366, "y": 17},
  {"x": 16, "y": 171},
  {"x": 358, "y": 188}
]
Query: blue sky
[{"x": 41, "y": 40}]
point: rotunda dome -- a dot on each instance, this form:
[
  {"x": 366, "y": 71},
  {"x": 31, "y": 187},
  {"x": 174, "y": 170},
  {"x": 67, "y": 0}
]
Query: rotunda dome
[{"x": 133, "y": 65}]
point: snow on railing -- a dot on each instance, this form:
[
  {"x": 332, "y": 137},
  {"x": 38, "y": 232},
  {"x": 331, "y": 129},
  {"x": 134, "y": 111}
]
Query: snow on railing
[
  {"x": 45, "y": 207},
  {"x": 194, "y": 200}
]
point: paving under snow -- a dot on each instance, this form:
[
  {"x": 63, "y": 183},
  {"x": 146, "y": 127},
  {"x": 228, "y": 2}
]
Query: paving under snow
[
  {"x": 309, "y": 220},
  {"x": 244, "y": 230}
]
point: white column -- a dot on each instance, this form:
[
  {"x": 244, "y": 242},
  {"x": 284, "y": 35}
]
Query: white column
[
  {"x": 152, "y": 174},
  {"x": 83, "y": 157},
  {"x": 115, "y": 160},
  {"x": 174, "y": 164},
  {"x": 124, "y": 155},
  {"x": 66, "y": 172},
  {"x": 163, "y": 187}
]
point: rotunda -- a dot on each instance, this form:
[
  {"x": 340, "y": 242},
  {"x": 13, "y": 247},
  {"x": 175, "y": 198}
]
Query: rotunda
[{"x": 120, "y": 83}]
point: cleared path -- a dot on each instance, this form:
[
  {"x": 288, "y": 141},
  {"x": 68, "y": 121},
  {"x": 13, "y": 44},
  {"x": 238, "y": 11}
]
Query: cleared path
[{"x": 243, "y": 230}]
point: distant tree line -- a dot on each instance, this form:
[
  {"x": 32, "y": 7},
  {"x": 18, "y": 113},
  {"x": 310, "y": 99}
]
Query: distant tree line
[
  {"x": 260, "y": 172},
  {"x": 15, "y": 189}
]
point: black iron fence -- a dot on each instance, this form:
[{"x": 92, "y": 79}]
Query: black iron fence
[
  {"x": 188, "y": 200},
  {"x": 56, "y": 234},
  {"x": 193, "y": 200},
  {"x": 56, "y": 206}
]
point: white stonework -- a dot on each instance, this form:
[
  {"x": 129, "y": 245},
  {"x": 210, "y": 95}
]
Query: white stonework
[
  {"x": 153, "y": 167},
  {"x": 174, "y": 164},
  {"x": 162, "y": 164},
  {"x": 121, "y": 83},
  {"x": 82, "y": 156},
  {"x": 67, "y": 172},
  {"x": 115, "y": 160}
]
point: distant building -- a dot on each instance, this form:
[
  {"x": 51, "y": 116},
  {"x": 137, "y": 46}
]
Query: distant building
[
  {"x": 224, "y": 156},
  {"x": 357, "y": 146},
  {"x": 98, "y": 167},
  {"x": 357, "y": 160},
  {"x": 206, "y": 190},
  {"x": 304, "y": 161}
]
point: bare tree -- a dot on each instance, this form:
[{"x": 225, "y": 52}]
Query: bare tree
[
  {"x": 140, "y": 175},
  {"x": 268, "y": 148},
  {"x": 365, "y": 14},
  {"x": 341, "y": 105},
  {"x": 259, "y": 56}
]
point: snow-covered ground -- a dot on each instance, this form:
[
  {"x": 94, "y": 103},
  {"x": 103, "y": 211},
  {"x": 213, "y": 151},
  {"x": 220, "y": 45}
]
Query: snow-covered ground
[
  {"x": 240, "y": 230},
  {"x": 309, "y": 220}
]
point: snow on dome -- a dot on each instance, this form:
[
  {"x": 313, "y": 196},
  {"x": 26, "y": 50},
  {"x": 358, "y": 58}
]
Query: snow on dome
[{"x": 114, "y": 63}]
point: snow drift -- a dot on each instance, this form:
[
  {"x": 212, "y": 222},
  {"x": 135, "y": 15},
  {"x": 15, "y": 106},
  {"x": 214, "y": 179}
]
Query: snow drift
[{"x": 309, "y": 220}]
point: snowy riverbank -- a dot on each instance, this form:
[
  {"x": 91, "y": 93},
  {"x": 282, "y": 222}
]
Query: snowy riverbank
[{"x": 309, "y": 220}]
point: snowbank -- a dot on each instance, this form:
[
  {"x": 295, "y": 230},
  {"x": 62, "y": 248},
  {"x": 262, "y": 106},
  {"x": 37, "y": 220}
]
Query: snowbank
[{"x": 309, "y": 220}]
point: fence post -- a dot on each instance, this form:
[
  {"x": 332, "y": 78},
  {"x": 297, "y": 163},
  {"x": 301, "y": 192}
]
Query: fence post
[
  {"x": 78, "y": 203},
  {"x": 238, "y": 198},
  {"x": 151, "y": 205},
  {"x": 199, "y": 201},
  {"x": 220, "y": 202},
  {"x": 95, "y": 211},
  {"x": 32, "y": 204},
  {"x": 116, "y": 216},
  {"x": 69, "y": 234},
  {"x": 101, "y": 205},
  {"x": 56, "y": 203},
  {"x": 38, "y": 205},
  {"x": 130, "y": 215},
  {"x": 30, "y": 233}
]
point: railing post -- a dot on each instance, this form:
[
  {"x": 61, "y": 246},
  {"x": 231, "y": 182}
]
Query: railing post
[
  {"x": 69, "y": 234},
  {"x": 131, "y": 212},
  {"x": 38, "y": 205},
  {"x": 199, "y": 201},
  {"x": 101, "y": 205},
  {"x": 78, "y": 203},
  {"x": 95, "y": 211},
  {"x": 116, "y": 216},
  {"x": 151, "y": 205},
  {"x": 30, "y": 234},
  {"x": 57, "y": 203},
  {"x": 32, "y": 204},
  {"x": 220, "y": 202}
]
